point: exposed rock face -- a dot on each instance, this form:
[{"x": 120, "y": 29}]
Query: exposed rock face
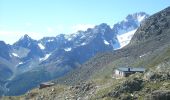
[
  {"x": 156, "y": 25},
  {"x": 4, "y": 50}
]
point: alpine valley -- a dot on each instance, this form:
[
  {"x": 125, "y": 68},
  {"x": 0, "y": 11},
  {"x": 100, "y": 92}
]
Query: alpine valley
[
  {"x": 81, "y": 64},
  {"x": 27, "y": 63}
]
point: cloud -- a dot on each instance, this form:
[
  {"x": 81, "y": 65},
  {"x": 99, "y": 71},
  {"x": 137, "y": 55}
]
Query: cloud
[
  {"x": 50, "y": 29},
  {"x": 12, "y": 36},
  {"x": 57, "y": 30},
  {"x": 9, "y": 37},
  {"x": 82, "y": 27},
  {"x": 68, "y": 29}
]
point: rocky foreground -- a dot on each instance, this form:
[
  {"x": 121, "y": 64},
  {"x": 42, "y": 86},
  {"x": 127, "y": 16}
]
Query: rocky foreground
[{"x": 151, "y": 85}]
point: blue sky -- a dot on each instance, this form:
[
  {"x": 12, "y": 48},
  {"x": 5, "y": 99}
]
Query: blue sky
[{"x": 39, "y": 18}]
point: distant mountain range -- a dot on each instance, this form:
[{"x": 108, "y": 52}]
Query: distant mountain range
[{"x": 29, "y": 62}]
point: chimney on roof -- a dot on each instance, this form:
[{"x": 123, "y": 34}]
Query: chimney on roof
[{"x": 128, "y": 69}]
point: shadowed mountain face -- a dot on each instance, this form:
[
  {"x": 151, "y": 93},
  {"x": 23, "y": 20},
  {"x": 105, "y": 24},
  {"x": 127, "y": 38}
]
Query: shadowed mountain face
[
  {"x": 5, "y": 70},
  {"x": 30, "y": 62},
  {"x": 4, "y": 50},
  {"x": 28, "y": 43},
  {"x": 85, "y": 45}
]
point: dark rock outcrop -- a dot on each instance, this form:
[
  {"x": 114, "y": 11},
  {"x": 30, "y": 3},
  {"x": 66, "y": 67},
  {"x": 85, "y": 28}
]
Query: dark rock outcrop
[{"x": 159, "y": 95}]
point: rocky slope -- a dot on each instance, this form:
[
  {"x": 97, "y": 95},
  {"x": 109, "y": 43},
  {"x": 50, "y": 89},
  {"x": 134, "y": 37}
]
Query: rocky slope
[{"x": 149, "y": 86}]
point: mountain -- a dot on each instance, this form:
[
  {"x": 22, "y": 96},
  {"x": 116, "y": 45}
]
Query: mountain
[
  {"x": 4, "y": 50},
  {"x": 126, "y": 28},
  {"x": 149, "y": 48},
  {"x": 34, "y": 49},
  {"x": 36, "y": 61},
  {"x": 51, "y": 43},
  {"x": 5, "y": 69},
  {"x": 131, "y": 22},
  {"x": 5, "y": 56},
  {"x": 149, "y": 30},
  {"x": 84, "y": 45}
]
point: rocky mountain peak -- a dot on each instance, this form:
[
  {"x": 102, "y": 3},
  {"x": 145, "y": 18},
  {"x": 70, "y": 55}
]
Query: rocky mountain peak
[
  {"x": 2, "y": 43},
  {"x": 130, "y": 23},
  {"x": 24, "y": 41},
  {"x": 138, "y": 17},
  {"x": 25, "y": 37},
  {"x": 102, "y": 26}
]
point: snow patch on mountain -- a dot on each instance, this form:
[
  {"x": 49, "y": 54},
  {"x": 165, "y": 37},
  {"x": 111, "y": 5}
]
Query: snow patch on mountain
[
  {"x": 20, "y": 63},
  {"x": 45, "y": 57},
  {"x": 106, "y": 42},
  {"x": 141, "y": 18},
  {"x": 83, "y": 44},
  {"x": 50, "y": 40},
  {"x": 67, "y": 49},
  {"x": 41, "y": 46},
  {"x": 125, "y": 38},
  {"x": 69, "y": 37},
  {"x": 125, "y": 29},
  {"x": 14, "y": 54}
]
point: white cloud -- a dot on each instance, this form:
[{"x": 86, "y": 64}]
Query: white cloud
[
  {"x": 57, "y": 29},
  {"x": 9, "y": 37},
  {"x": 12, "y": 36},
  {"x": 50, "y": 29},
  {"x": 61, "y": 29},
  {"x": 82, "y": 27},
  {"x": 68, "y": 29}
]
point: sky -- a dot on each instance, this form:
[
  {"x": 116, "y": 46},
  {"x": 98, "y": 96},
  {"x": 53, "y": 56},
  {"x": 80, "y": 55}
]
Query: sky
[{"x": 39, "y": 18}]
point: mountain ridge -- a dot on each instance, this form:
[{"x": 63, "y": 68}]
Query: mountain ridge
[
  {"x": 52, "y": 57},
  {"x": 128, "y": 55}
]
